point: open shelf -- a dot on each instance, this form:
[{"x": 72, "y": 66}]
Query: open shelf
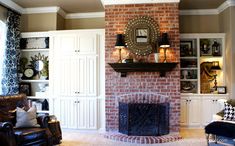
[
  {"x": 34, "y": 81},
  {"x": 124, "y": 68},
  {"x": 34, "y": 50}
]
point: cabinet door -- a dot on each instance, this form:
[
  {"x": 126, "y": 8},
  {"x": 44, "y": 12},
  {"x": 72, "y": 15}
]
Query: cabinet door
[
  {"x": 62, "y": 77},
  {"x": 81, "y": 114},
  {"x": 78, "y": 74},
  {"x": 66, "y": 112},
  {"x": 91, "y": 79},
  {"x": 91, "y": 112},
  {"x": 64, "y": 45},
  {"x": 194, "y": 112},
  {"x": 183, "y": 112},
  {"x": 207, "y": 110},
  {"x": 87, "y": 43},
  {"x": 70, "y": 76}
]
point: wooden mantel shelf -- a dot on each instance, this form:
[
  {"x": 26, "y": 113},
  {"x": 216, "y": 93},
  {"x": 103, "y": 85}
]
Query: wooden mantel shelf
[{"x": 124, "y": 68}]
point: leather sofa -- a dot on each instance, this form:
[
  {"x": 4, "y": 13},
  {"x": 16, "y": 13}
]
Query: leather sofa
[{"x": 11, "y": 136}]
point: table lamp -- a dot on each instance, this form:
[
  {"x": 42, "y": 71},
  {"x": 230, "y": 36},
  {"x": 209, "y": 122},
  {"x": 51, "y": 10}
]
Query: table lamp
[
  {"x": 215, "y": 67},
  {"x": 120, "y": 43},
  {"x": 164, "y": 43}
]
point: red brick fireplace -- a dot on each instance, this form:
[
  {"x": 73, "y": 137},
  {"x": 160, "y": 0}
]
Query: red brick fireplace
[{"x": 116, "y": 18}]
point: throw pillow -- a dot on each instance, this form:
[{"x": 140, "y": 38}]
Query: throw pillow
[
  {"x": 229, "y": 112},
  {"x": 26, "y": 118}
]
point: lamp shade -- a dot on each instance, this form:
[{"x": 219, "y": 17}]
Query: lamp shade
[
  {"x": 164, "y": 41},
  {"x": 215, "y": 65},
  {"x": 120, "y": 41}
]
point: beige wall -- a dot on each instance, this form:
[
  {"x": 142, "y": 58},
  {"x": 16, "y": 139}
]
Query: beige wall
[
  {"x": 199, "y": 23},
  {"x": 3, "y": 13},
  {"x": 60, "y": 22},
  {"x": 38, "y": 22},
  {"x": 227, "y": 25},
  {"x": 84, "y": 23}
]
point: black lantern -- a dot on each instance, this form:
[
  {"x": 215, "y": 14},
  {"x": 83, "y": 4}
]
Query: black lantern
[{"x": 216, "y": 49}]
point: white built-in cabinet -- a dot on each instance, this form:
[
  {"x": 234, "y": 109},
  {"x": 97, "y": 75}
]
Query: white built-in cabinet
[
  {"x": 76, "y": 113},
  {"x": 75, "y": 67},
  {"x": 197, "y": 108},
  {"x": 190, "y": 111}
]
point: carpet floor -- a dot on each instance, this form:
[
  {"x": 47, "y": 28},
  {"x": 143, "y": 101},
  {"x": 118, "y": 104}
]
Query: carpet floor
[{"x": 75, "y": 138}]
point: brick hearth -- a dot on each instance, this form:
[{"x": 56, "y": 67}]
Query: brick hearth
[
  {"x": 116, "y": 18},
  {"x": 142, "y": 139}
]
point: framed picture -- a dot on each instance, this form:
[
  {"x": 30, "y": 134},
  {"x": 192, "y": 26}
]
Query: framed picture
[
  {"x": 25, "y": 88},
  {"x": 186, "y": 48},
  {"x": 221, "y": 89},
  {"x": 142, "y": 35},
  {"x": 205, "y": 47}
]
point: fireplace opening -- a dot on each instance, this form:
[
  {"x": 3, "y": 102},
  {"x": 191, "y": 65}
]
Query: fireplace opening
[{"x": 144, "y": 119}]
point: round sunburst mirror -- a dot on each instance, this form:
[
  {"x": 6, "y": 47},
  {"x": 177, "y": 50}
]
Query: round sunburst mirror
[
  {"x": 40, "y": 64},
  {"x": 140, "y": 34}
]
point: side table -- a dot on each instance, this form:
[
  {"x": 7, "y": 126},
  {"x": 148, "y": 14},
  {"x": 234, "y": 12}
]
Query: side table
[{"x": 54, "y": 127}]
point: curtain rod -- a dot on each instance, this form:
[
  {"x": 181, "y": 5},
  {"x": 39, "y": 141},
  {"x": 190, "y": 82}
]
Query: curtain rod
[{"x": 10, "y": 9}]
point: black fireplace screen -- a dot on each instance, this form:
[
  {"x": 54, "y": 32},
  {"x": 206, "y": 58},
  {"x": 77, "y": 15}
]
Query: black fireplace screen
[{"x": 141, "y": 119}]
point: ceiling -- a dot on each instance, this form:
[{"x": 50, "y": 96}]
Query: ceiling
[{"x": 81, "y": 6}]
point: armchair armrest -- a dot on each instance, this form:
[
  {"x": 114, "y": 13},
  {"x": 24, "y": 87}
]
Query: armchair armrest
[
  {"x": 43, "y": 120},
  {"x": 6, "y": 127},
  {"x": 217, "y": 118},
  {"x": 7, "y": 134}
]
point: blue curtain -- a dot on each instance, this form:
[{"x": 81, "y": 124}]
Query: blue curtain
[{"x": 11, "y": 55}]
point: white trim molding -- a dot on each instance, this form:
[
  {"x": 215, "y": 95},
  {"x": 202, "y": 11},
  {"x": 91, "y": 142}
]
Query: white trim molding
[
  {"x": 200, "y": 12},
  {"x": 118, "y": 2},
  {"x": 221, "y": 8},
  {"x": 225, "y": 5},
  {"x": 40, "y": 10},
  {"x": 61, "y": 12},
  {"x": 85, "y": 15},
  {"x": 12, "y": 5}
]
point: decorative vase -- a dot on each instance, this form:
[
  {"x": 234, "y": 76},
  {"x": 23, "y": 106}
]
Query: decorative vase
[{"x": 156, "y": 57}]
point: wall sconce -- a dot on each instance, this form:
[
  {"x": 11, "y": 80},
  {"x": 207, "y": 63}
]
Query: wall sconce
[
  {"x": 215, "y": 67},
  {"x": 120, "y": 43},
  {"x": 164, "y": 43}
]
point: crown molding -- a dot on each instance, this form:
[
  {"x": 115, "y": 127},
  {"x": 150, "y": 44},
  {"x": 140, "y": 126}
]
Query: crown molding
[
  {"x": 40, "y": 10},
  {"x": 221, "y": 8},
  {"x": 61, "y": 12},
  {"x": 200, "y": 12},
  {"x": 225, "y": 5},
  {"x": 118, "y": 2},
  {"x": 12, "y": 5},
  {"x": 85, "y": 15}
]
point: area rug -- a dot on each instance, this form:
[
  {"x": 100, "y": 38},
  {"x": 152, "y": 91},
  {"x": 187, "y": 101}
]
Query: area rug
[{"x": 74, "y": 138}]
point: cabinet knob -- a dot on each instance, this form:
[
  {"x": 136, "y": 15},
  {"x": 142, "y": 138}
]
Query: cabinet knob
[
  {"x": 78, "y": 101},
  {"x": 78, "y": 50},
  {"x": 75, "y": 50}
]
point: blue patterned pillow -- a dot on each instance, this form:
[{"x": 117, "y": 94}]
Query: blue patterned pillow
[{"x": 229, "y": 112}]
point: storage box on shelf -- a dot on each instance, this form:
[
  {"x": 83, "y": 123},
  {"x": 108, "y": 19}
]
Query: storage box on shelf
[
  {"x": 33, "y": 68},
  {"x": 198, "y": 92}
]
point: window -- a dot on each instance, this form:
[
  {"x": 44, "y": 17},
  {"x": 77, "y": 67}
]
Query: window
[{"x": 2, "y": 49}]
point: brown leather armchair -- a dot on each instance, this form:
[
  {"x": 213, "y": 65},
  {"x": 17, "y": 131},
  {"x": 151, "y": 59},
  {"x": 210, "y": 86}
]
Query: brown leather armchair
[{"x": 11, "y": 136}]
